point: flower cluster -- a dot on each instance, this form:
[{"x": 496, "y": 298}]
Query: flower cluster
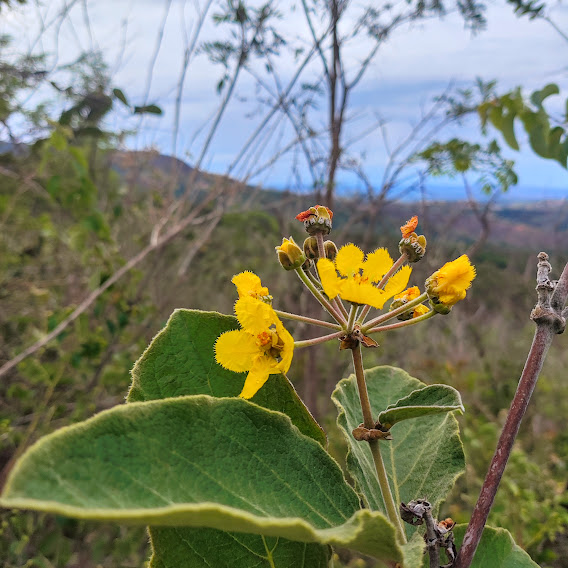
[{"x": 263, "y": 346}]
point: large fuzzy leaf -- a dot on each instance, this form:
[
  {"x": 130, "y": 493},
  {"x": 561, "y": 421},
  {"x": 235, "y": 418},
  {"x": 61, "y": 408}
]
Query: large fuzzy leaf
[
  {"x": 425, "y": 456},
  {"x": 178, "y": 547},
  {"x": 180, "y": 361},
  {"x": 198, "y": 461}
]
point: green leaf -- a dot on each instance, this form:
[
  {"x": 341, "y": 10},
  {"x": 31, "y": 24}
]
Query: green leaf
[
  {"x": 537, "y": 98},
  {"x": 180, "y": 361},
  {"x": 538, "y": 128},
  {"x": 120, "y": 96},
  {"x": 225, "y": 464},
  {"x": 177, "y": 547},
  {"x": 508, "y": 129},
  {"x": 434, "y": 399},
  {"x": 425, "y": 456},
  {"x": 497, "y": 549},
  {"x": 148, "y": 109}
]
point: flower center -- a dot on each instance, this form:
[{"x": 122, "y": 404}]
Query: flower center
[{"x": 270, "y": 342}]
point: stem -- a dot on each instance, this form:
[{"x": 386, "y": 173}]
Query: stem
[
  {"x": 317, "y": 340},
  {"x": 305, "y": 319},
  {"x": 392, "y": 314},
  {"x": 337, "y": 302},
  {"x": 321, "y": 247},
  {"x": 541, "y": 342},
  {"x": 432, "y": 539},
  {"x": 542, "y": 339},
  {"x": 319, "y": 297},
  {"x": 382, "y": 283},
  {"x": 351, "y": 318},
  {"x": 368, "y": 422},
  {"x": 412, "y": 321}
]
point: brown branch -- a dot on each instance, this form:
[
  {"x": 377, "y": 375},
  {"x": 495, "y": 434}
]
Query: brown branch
[{"x": 548, "y": 319}]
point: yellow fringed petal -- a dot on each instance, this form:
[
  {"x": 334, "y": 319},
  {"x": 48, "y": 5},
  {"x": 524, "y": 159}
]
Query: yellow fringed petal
[
  {"x": 449, "y": 284},
  {"x": 397, "y": 282},
  {"x": 378, "y": 263},
  {"x": 349, "y": 260},
  {"x": 235, "y": 350},
  {"x": 419, "y": 311},
  {"x": 288, "y": 349},
  {"x": 254, "y": 315},
  {"x": 249, "y": 284},
  {"x": 328, "y": 277},
  {"x": 256, "y": 378}
]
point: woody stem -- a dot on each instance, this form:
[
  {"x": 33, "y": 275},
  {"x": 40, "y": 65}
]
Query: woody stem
[{"x": 368, "y": 422}]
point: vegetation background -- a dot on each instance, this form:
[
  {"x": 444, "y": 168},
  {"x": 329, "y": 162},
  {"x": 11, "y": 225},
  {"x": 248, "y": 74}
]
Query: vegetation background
[{"x": 100, "y": 243}]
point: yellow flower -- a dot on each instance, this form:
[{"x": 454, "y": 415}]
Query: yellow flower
[
  {"x": 419, "y": 310},
  {"x": 408, "y": 295},
  {"x": 262, "y": 347},
  {"x": 358, "y": 276},
  {"x": 449, "y": 284},
  {"x": 249, "y": 285}
]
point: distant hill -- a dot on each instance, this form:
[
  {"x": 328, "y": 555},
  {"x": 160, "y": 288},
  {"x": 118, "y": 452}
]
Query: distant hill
[{"x": 517, "y": 224}]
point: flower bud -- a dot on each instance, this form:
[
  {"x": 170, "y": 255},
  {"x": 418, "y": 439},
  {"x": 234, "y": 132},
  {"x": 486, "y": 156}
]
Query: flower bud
[
  {"x": 440, "y": 308},
  {"x": 402, "y": 299},
  {"x": 413, "y": 245},
  {"x": 311, "y": 248},
  {"x": 316, "y": 219},
  {"x": 290, "y": 254},
  {"x": 330, "y": 250}
]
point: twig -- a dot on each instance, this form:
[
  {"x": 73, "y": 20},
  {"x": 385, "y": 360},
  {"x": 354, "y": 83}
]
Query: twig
[{"x": 547, "y": 316}]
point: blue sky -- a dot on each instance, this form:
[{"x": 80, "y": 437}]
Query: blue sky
[{"x": 416, "y": 64}]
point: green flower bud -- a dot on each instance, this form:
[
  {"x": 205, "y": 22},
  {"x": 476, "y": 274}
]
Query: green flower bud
[
  {"x": 330, "y": 250},
  {"x": 290, "y": 255},
  {"x": 414, "y": 246},
  {"x": 311, "y": 248},
  {"x": 316, "y": 219}
]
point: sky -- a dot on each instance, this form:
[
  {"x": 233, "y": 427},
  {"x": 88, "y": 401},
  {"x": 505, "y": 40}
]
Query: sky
[{"x": 417, "y": 63}]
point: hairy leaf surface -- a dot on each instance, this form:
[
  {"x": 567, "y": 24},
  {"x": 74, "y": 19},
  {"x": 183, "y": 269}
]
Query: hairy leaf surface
[
  {"x": 198, "y": 461},
  {"x": 425, "y": 456},
  {"x": 434, "y": 399},
  {"x": 180, "y": 361}
]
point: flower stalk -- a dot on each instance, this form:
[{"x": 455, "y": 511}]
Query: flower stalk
[
  {"x": 305, "y": 319},
  {"x": 368, "y": 422},
  {"x": 412, "y": 321},
  {"x": 319, "y": 297},
  {"x": 318, "y": 340},
  {"x": 392, "y": 314}
]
